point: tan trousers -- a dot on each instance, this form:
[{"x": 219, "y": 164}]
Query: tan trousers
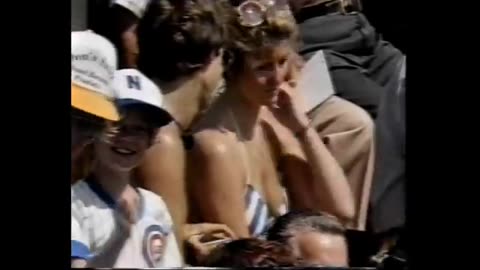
[{"x": 347, "y": 131}]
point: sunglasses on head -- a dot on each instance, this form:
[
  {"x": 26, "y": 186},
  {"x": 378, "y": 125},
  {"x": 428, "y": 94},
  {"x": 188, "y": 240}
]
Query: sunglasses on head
[{"x": 254, "y": 12}]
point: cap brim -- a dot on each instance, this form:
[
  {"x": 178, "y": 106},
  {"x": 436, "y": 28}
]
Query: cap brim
[
  {"x": 95, "y": 103},
  {"x": 157, "y": 115}
]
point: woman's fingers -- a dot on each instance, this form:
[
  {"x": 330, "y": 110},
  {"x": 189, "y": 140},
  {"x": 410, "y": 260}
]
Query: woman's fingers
[
  {"x": 208, "y": 229},
  {"x": 220, "y": 228}
]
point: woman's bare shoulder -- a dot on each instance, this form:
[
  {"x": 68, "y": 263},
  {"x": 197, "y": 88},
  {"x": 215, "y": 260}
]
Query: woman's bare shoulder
[
  {"x": 214, "y": 141},
  {"x": 169, "y": 135},
  {"x": 214, "y": 129}
]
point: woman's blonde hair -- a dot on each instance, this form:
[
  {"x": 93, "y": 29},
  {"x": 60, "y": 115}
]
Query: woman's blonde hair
[{"x": 277, "y": 27}]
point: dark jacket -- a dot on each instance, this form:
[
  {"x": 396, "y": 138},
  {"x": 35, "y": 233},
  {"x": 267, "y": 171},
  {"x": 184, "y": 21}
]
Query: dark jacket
[
  {"x": 360, "y": 62},
  {"x": 387, "y": 202}
]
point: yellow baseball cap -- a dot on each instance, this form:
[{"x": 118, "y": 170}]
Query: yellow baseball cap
[{"x": 94, "y": 61}]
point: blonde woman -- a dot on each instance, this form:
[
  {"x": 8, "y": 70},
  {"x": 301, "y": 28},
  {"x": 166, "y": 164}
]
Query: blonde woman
[{"x": 235, "y": 154}]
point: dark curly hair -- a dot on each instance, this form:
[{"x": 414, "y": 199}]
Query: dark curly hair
[
  {"x": 179, "y": 37},
  {"x": 252, "y": 252},
  {"x": 288, "y": 225}
]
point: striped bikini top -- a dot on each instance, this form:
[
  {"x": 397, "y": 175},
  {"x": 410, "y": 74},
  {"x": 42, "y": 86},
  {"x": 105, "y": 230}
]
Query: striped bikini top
[{"x": 258, "y": 217}]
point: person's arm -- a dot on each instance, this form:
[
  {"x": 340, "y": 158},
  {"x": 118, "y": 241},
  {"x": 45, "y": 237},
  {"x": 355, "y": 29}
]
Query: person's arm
[
  {"x": 163, "y": 172},
  {"x": 330, "y": 182},
  {"x": 217, "y": 186},
  {"x": 320, "y": 176}
]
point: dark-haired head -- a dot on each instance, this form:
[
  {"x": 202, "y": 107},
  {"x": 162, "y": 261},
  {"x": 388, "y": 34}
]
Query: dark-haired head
[
  {"x": 177, "y": 38},
  {"x": 252, "y": 252},
  {"x": 301, "y": 220},
  {"x": 318, "y": 238}
]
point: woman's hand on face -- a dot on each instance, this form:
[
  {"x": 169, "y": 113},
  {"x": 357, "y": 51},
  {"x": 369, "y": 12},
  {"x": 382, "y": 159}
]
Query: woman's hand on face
[
  {"x": 290, "y": 109},
  {"x": 200, "y": 237}
]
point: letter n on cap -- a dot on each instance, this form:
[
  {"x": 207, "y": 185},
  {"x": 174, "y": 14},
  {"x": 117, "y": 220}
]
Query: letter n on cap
[{"x": 133, "y": 82}]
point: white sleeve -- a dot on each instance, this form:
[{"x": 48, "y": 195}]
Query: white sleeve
[
  {"x": 80, "y": 247},
  {"x": 137, "y": 7},
  {"x": 79, "y": 243}
]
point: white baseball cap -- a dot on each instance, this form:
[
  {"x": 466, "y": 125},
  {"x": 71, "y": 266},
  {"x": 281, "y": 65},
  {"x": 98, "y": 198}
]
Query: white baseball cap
[
  {"x": 132, "y": 88},
  {"x": 94, "y": 61}
]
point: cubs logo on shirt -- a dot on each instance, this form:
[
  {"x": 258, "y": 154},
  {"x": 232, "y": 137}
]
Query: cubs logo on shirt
[{"x": 154, "y": 243}]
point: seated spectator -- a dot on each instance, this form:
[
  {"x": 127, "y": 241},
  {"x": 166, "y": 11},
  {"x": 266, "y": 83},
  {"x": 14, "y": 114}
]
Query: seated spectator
[
  {"x": 351, "y": 45},
  {"x": 252, "y": 252},
  {"x": 125, "y": 16},
  {"x": 92, "y": 106},
  {"x": 235, "y": 170},
  {"x": 318, "y": 239},
  {"x": 362, "y": 64},
  {"x": 100, "y": 236},
  {"x": 345, "y": 129},
  {"x": 180, "y": 50}
]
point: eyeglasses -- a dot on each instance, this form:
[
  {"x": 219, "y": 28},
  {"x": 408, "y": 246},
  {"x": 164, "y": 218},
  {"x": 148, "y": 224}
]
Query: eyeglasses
[{"x": 254, "y": 12}]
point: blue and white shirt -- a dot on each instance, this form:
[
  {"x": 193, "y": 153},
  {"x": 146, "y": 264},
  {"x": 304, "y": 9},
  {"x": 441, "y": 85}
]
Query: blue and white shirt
[{"x": 100, "y": 234}]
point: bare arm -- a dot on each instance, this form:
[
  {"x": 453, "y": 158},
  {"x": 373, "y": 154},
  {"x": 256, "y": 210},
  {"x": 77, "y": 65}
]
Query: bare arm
[
  {"x": 303, "y": 161},
  {"x": 330, "y": 183},
  {"x": 218, "y": 189},
  {"x": 163, "y": 172},
  {"x": 330, "y": 188}
]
